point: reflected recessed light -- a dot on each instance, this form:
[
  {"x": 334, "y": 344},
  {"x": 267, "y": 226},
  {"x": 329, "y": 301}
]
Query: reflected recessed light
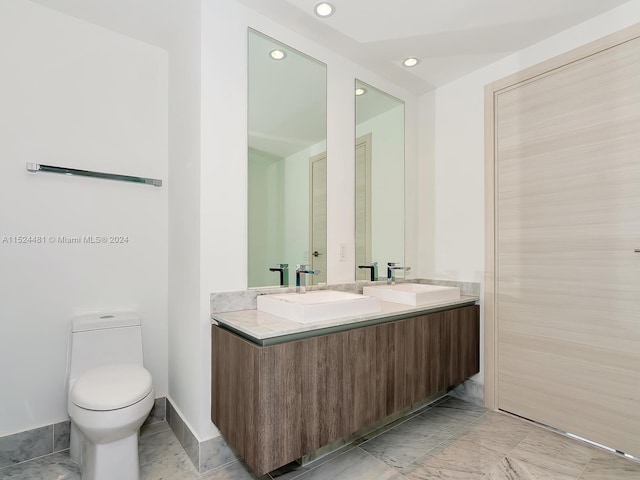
[
  {"x": 277, "y": 54},
  {"x": 360, "y": 91},
  {"x": 324, "y": 9},
  {"x": 410, "y": 62}
]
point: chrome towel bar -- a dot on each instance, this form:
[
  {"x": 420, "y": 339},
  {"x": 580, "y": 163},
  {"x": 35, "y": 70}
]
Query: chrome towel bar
[{"x": 36, "y": 167}]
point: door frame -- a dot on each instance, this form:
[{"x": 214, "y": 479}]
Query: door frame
[
  {"x": 492, "y": 90},
  {"x": 321, "y": 156}
]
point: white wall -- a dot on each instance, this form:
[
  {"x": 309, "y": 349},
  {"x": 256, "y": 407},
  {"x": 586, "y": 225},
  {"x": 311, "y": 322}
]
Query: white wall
[
  {"x": 184, "y": 211},
  {"x": 458, "y": 229},
  {"x": 224, "y": 162},
  {"x": 76, "y": 95}
]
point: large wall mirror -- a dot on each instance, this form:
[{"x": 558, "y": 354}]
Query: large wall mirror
[
  {"x": 287, "y": 129},
  {"x": 379, "y": 180}
]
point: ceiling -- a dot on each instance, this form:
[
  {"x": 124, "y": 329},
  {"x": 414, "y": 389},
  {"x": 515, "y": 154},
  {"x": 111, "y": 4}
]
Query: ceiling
[{"x": 451, "y": 37}]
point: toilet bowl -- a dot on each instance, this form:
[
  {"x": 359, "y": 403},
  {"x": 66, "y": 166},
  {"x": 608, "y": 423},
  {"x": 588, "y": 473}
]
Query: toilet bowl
[{"x": 110, "y": 396}]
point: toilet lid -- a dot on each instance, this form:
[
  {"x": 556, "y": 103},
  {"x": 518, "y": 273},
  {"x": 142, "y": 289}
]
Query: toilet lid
[{"x": 111, "y": 387}]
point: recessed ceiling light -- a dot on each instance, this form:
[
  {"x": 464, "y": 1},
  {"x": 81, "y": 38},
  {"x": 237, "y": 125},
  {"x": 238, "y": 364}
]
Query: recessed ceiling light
[
  {"x": 277, "y": 54},
  {"x": 360, "y": 91},
  {"x": 410, "y": 62},
  {"x": 324, "y": 9}
]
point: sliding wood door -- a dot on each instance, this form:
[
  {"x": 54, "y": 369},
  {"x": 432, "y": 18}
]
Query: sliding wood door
[{"x": 567, "y": 222}]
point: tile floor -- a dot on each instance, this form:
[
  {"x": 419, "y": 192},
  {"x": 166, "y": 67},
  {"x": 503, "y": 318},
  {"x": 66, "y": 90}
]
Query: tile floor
[{"x": 448, "y": 440}]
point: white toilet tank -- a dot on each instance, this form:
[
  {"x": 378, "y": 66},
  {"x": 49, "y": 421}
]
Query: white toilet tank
[{"x": 104, "y": 339}]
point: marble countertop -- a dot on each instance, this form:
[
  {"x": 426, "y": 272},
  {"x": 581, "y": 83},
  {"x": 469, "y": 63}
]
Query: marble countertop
[{"x": 266, "y": 329}]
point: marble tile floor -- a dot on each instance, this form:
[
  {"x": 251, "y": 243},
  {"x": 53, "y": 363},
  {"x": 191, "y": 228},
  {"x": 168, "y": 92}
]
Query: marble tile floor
[{"x": 448, "y": 440}]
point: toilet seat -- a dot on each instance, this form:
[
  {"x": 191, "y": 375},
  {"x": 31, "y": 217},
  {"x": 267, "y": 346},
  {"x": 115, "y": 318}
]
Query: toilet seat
[{"x": 112, "y": 387}]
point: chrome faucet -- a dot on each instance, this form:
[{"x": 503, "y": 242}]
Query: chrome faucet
[
  {"x": 373, "y": 266},
  {"x": 391, "y": 272},
  {"x": 283, "y": 268},
  {"x": 301, "y": 271}
]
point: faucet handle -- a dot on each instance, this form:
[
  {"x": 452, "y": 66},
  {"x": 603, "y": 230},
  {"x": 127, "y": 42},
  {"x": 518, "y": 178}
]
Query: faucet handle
[
  {"x": 301, "y": 268},
  {"x": 397, "y": 266},
  {"x": 391, "y": 268}
]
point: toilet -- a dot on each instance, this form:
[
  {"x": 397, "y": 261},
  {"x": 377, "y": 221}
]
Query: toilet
[{"x": 110, "y": 395}]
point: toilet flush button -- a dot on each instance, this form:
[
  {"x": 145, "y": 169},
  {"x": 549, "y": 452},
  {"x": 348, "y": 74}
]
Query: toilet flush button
[{"x": 111, "y": 387}]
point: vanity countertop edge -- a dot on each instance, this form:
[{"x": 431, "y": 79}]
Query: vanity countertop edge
[{"x": 265, "y": 329}]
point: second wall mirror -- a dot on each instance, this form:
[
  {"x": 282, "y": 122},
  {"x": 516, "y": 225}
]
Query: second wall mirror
[
  {"x": 379, "y": 180},
  {"x": 287, "y": 133}
]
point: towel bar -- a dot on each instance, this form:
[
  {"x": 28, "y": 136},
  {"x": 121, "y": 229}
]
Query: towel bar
[{"x": 36, "y": 167}]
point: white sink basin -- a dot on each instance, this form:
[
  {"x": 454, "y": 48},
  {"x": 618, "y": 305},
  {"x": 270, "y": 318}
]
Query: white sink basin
[
  {"x": 317, "y": 305},
  {"x": 414, "y": 294}
]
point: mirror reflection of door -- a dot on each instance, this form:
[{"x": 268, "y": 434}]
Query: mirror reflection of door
[
  {"x": 363, "y": 205},
  {"x": 379, "y": 179},
  {"x": 287, "y": 125},
  {"x": 318, "y": 216}
]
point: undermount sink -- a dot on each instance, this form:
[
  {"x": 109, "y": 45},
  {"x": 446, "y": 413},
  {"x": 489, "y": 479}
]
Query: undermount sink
[
  {"x": 317, "y": 305},
  {"x": 415, "y": 294}
]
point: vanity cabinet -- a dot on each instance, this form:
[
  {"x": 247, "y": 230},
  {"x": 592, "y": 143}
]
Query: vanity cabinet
[{"x": 277, "y": 403}]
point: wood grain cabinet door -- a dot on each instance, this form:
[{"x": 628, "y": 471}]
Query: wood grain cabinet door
[{"x": 277, "y": 403}]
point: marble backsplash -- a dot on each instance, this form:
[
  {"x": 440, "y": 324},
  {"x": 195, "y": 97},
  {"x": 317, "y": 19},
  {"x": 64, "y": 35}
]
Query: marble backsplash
[{"x": 246, "y": 299}]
